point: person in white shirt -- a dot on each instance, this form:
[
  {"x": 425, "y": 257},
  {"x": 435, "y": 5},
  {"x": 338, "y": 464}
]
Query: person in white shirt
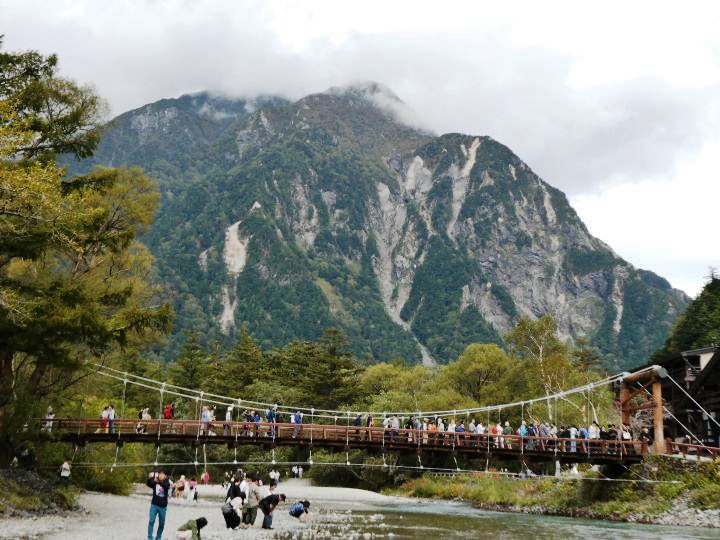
[
  {"x": 65, "y": 471},
  {"x": 228, "y": 421},
  {"x": 49, "y": 417},
  {"x": 111, "y": 419}
]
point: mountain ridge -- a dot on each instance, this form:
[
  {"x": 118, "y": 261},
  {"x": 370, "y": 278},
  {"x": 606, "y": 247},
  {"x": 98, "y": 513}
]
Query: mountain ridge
[{"x": 330, "y": 210}]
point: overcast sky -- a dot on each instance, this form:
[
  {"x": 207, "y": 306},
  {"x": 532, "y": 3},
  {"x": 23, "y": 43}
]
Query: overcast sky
[{"x": 616, "y": 104}]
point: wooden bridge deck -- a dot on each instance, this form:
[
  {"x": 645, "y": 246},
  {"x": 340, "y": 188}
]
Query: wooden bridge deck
[{"x": 344, "y": 438}]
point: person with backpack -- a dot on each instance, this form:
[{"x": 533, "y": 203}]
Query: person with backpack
[
  {"x": 268, "y": 505},
  {"x": 232, "y": 510},
  {"x": 297, "y": 421},
  {"x": 357, "y": 423},
  {"x": 299, "y": 509},
  {"x": 272, "y": 420}
]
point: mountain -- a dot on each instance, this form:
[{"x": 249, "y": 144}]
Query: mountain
[{"x": 337, "y": 209}]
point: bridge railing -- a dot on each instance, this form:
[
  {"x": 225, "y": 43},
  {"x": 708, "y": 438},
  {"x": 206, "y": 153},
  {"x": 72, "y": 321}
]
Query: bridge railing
[
  {"x": 691, "y": 450},
  {"x": 357, "y": 436}
]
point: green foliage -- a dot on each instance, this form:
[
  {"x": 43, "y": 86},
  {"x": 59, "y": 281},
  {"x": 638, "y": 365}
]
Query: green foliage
[
  {"x": 699, "y": 326},
  {"x": 74, "y": 282},
  {"x": 581, "y": 261},
  {"x": 587, "y": 497},
  {"x": 644, "y": 306},
  {"x": 190, "y": 369},
  {"x": 62, "y": 116},
  {"x": 434, "y": 303}
]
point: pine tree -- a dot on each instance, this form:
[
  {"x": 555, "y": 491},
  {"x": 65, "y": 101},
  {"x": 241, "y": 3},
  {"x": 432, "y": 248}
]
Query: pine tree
[{"x": 699, "y": 326}]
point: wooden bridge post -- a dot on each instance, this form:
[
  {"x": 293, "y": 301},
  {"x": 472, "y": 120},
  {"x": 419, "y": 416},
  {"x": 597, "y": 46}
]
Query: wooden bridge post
[
  {"x": 625, "y": 403},
  {"x": 658, "y": 418},
  {"x": 645, "y": 378}
]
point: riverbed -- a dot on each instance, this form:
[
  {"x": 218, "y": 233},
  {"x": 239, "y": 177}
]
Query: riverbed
[{"x": 338, "y": 513}]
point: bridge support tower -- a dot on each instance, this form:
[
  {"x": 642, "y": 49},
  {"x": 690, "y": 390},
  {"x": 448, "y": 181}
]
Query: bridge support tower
[{"x": 639, "y": 384}]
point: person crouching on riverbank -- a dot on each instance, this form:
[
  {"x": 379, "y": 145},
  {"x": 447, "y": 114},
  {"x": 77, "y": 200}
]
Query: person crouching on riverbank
[
  {"x": 268, "y": 505},
  {"x": 160, "y": 484},
  {"x": 191, "y": 529},
  {"x": 300, "y": 509}
]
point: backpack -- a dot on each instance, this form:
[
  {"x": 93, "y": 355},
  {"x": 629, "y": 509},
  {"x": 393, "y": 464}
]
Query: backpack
[
  {"x": 227, "y": 509},
  {"x": 297, "y": 509}
]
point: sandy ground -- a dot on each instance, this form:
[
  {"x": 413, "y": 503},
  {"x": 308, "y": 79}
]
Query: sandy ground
[{"x": 116, "y": 517}]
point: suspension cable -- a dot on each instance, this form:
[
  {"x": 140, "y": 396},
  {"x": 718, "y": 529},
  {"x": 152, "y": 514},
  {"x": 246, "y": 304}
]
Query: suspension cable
[{"x": 104, "y": 370}]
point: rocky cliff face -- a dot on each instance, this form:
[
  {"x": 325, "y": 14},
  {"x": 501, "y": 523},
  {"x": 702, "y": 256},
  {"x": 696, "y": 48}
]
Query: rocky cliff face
[{"x": 336, "y": 210}]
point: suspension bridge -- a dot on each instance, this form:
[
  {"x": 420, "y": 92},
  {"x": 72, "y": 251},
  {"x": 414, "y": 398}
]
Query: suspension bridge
[{"x": 343, "y": 436}]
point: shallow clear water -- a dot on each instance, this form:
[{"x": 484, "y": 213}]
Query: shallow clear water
[{"x": 448, "y": 520}]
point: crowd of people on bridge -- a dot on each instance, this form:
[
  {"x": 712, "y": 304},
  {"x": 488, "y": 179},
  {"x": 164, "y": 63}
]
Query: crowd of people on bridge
[
  {"x": 530, "y": 435},
  {"x": 536, "y": 435}
]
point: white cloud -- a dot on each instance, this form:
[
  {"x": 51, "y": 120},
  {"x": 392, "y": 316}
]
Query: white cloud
[{"x": 667, "y": 224}]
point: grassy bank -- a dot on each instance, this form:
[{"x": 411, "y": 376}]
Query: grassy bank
[
  {"x": 672, "y": 486},
  {"x": 24, "y": 493}
]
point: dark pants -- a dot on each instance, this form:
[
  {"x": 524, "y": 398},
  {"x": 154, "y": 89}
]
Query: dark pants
[
  {"x": 250, "y": 515},
  {"x": 267, "y": 521},
  {"x": 232, "y": 520},
  {"x": 158, "y": 511}
]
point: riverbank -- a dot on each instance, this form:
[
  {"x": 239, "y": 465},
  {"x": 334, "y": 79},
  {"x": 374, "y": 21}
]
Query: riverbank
[
  {"x": 114, "y": 516},
  {"x": 338, "y": 514},
  {"x": 661, "y": 491}
]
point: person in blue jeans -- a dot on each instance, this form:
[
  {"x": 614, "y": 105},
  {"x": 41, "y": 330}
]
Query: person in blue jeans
[
  {"x": 268, "y": 505},
  {"x": 160, "y": 484}
]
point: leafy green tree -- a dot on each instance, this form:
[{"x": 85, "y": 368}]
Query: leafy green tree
[
  {"x": 63, "y": 117},
  {"x": 477, "y": 372},
  {"x": 239, "y": 366},
  {"x": 74, "y": 282},
  {"x": 536, "y": 342},
  {"x": 699, "y": 326},
  {"x": 191, "y": 368},
  {"x": 585, "y": 356}
]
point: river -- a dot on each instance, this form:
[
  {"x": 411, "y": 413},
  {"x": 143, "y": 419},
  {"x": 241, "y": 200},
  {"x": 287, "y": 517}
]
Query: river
[
  {"x": 339, "y": 513},
  {"x": 426, "y": 520}
]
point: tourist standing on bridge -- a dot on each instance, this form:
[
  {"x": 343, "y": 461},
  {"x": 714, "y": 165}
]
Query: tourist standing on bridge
[
  {"x": 395, "y": 426},
  {"x": 49, "y": 417},
  {"x": 357, "y": 423},
  {"x": 297, "y": 419},
  {"x": 508, "y": 431},
  {"x": 228, "y": 421},
  {"x": 160, "y": 484},
  {"x": 111, "y": 419},
  {"x": 104, "y": 420},
  {"x": 272, "y": 420},
  {"x": 169, "y": 411}
]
